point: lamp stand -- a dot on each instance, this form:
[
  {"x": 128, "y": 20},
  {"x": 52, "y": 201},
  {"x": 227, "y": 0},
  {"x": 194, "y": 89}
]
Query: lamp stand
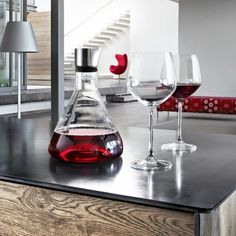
[
  {"x": 18, "y": 38},
  {"x": 18, "y": 76}
]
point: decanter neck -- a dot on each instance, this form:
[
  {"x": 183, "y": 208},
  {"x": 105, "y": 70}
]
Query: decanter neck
[{"x": 86, "y": 80}]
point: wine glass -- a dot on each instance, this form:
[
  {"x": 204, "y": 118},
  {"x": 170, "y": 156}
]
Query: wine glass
[
  {"x": 151, "y": 81},
  {"x": 188, "y": 81}
]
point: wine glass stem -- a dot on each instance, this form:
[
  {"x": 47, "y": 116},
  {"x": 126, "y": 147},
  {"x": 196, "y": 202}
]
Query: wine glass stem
[
  {"x": 179, "y": 132},
  {"x": 150, "y": 146}
]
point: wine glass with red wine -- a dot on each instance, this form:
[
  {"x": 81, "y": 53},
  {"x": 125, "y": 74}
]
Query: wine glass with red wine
[
  {"x": 152, "y": 80},
  {"x": 188, "y": 81}
]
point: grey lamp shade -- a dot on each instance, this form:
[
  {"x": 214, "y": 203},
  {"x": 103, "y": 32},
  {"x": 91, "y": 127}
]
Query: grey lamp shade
[{"x": 18, "y": 37}]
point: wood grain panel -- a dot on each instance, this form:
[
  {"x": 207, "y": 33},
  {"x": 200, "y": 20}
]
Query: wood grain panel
[
  {"x": 43, "y": 49},
  {"x": 36, "y": 211},
  {"x": 41, "y": 55},
  {"x": 221, "y": 221},
  {"x": 38, "y": 67},
  {"x": 40, "y": 77},
  {"x": 41, "y": 33},
  {"x": 37, "y": 72},
  {"x": 42, "y": 30},
  {"x": 44, "y": 37},
  {"x": 38, "y": 17},
  {"x": 39, "y": 64},
  {"x": 43, "y": 43}
]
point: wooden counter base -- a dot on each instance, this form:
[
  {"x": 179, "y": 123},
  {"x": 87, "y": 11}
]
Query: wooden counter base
[{"x": 27, "y": 210}]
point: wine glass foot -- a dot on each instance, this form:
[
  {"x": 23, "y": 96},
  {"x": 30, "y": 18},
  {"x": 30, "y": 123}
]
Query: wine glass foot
[
  {"x": 181, "y": 146},
  {"x": 161, "y": 165}
]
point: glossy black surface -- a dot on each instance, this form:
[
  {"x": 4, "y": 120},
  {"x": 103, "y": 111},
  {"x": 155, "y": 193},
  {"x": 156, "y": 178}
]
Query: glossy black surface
[{"x": 197, "y": 181}]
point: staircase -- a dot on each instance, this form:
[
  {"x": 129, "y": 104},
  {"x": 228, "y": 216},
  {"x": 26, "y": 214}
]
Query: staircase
[
  {"x": 38, "y": 64},
  {"x": 102, "y": 39}
]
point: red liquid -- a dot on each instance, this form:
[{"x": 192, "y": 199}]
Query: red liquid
[
  {"x": 185, "y": 90},
  {"x": 86, "y": 145}
]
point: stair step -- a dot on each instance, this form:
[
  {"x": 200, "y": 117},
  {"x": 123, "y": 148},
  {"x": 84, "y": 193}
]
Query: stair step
[
  {"x": 97, "y": 41},
  {"x": 69, "y": 68},
  {"x": 109, "y": 32},
  {"x": 68, "y": 63},
  {"x": 69, "y": 77},
  {"x": 70, "y": 57},
  {"x": 71, "y": 64},
  {"x": 72, "y": 53},
  {"x": 103, "y": 37},
  {"x": 91, "y": 45},
  {"x": 68, "y": 73},
  {"x": 124, "y": 19},
  {"x": 121, "y": 25},
  {"x": 127, "y": 14},
  {"x": 115, "y": 28}
]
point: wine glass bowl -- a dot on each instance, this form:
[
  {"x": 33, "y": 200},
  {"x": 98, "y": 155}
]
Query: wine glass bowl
[
  {"x": 151, "y": 81},
  {"x": 188, "y": 82},
  {"x": 150, "y": 93},
  {"x": 184, "y": 90}
]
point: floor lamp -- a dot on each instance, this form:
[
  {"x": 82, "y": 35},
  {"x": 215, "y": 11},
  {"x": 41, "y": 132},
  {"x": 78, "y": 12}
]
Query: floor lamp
[{"x": 18, "y": 38}]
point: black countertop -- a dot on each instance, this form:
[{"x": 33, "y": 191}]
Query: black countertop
[{"x": 198, "y": 181}]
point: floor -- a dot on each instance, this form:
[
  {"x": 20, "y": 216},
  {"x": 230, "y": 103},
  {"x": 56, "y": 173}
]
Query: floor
[
  {"x": 128, "y": 114},
  {"x": 11, "y": 109},
  {"x": 136, "y": 115},
  {"x": 42, "y": 95}
]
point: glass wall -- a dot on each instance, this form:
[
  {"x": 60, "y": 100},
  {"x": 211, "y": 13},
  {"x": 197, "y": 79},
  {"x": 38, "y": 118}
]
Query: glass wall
[
  {"x": 4, "y": 61},
  {"x": 12, "y": 10}
]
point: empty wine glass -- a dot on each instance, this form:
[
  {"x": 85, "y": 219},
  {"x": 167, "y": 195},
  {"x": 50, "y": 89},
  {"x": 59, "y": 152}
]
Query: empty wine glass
[
  {"x": 151, "y": 81},
  {"x": 188, "y": 81}
]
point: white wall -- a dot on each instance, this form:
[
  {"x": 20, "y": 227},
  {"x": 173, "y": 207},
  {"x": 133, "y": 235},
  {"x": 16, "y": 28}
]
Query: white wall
[
  {"x": 76, "y": 15},
  {"x": 43, "y": 5},
  {"x": 76, "y": 11},
  {"x": 78, "y": 28},
  {"x": 207, "y": 28},
  {"x": 154, "y": 25}
]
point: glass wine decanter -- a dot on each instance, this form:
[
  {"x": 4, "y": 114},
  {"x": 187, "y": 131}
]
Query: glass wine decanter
[
  {"x": 85, "y": 133},
  {"x": 188, "y": 81}
]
